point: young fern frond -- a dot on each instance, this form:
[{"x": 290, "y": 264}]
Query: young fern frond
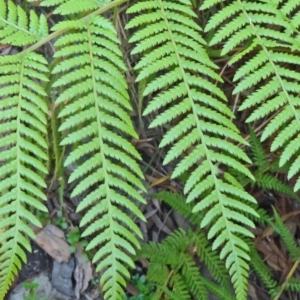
[
  {"x": 260, "y": 159},
  {"x": 15, "y": 27},
  {"x": 203, "y": 250},
  {"x": 269, "y": 75},
  {"x": 263, "y": 272},
  {"x": 95, "y": 114},
  {"x": 23, "y": 156},
  {"x": 263, "y": 173},
  {"x": 286, "y": 236},
  {"x": 173, "y": 266},
  {"x": 177, "y": 202},
  {"x": 179, "y": 71},
  {"x": 293, "y": 285}
]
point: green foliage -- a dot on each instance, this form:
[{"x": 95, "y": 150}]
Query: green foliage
[
  {"x": 260, "y": 267},
  {"x": 171, "y": 45},
  {"x": 145, "y": 288},
  {"x": 173, "y": 262},
  {"x": 266, "y": 177},
  {"x": 175, "y": 71},
  {"x": 263, "y": 272},
  {"x": 23, "y": 146},
  {"x": 19, "y": 29},
  {"x": 268, "y": 76},
  {"x": 286, "y": 236},
  {"x": 97, "y": 106},
  {"x": 293, "y": 285},
  {"x": 32, "y": 287}
]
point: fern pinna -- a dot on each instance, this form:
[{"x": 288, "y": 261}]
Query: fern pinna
[
  {"x": 180, "y": 75},
  {"x": 269, "y": 77}
]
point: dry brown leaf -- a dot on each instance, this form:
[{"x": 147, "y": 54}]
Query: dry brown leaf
[
  {"x": 272, "y": 254},
  {"x": 51, "y": 240},
  {"x": 83, "y": 271}
]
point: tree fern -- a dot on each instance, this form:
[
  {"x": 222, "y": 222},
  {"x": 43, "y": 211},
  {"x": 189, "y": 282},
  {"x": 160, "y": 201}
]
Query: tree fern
[
  {"x": 269, "y": 72},
  {"x": 96, "y": 115},
  {"x": 23, "y": 156},
  {"x": 172, "y": 51}
]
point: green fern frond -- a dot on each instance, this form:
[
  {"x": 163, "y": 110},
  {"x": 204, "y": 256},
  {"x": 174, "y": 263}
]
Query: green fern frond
[
  {"x": 177, "y": 202},
  {"x": 173, "y": 53},
  {"x": 23, "y": 158},
  {"x": 202, "y": 247},
  {"x": 286, "y": 236},
  {"x": 17, "y": 29},
  {"x": 269, "y": 73},
  {"x": 95, "y": 115},
  {"x": 193, "y": 278},
  {"x": 260, "y": 159},
  {"x": 69, "y": 7},
  {"x": 293, "y": 285},
  {"x": 269, "y": 182},
  {"x": 210, "y": 259},
  {"x": 263, "y": 272},
  {"x": 173, "y": 266}
]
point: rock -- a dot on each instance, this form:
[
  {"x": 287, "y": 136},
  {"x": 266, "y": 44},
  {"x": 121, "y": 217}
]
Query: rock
[
  {"x": 43, "y": 291},
  {"x": 62, "y": 275}
]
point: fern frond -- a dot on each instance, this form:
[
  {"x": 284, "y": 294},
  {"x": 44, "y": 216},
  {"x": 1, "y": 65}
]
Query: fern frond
[
  {"x": 96, "y": 116},
  {"x": 177, "y": 202},
  {"x": 193, "y": 278},
  {"x": 210, "y": 259},
  {"x": 269, "y": 73},
  {"x": 258, "y": 153},
  {"x": 286, "y": 236},
  {"x": 18, "y": 29},
  {"x": 263, "y": 272},
  {"x": 269, "y": 182},
  {"x": 293, "y": 285},
  {"x": 69, "y": 7},
  {"x": 181, "y": 88},
  {"x": 23, "y": 157}
]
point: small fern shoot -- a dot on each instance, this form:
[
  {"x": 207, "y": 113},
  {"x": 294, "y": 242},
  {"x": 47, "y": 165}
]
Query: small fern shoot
[
  {"x": 179, "y": 74},
  {"x": 286, "y": 236},
  {"x": 95, "y": 115}
]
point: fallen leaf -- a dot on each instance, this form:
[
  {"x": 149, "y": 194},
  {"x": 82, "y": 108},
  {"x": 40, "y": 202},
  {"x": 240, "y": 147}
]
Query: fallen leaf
[
  {"x": 51, "y": 240},
  {"x": 83, "y": 271}
]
